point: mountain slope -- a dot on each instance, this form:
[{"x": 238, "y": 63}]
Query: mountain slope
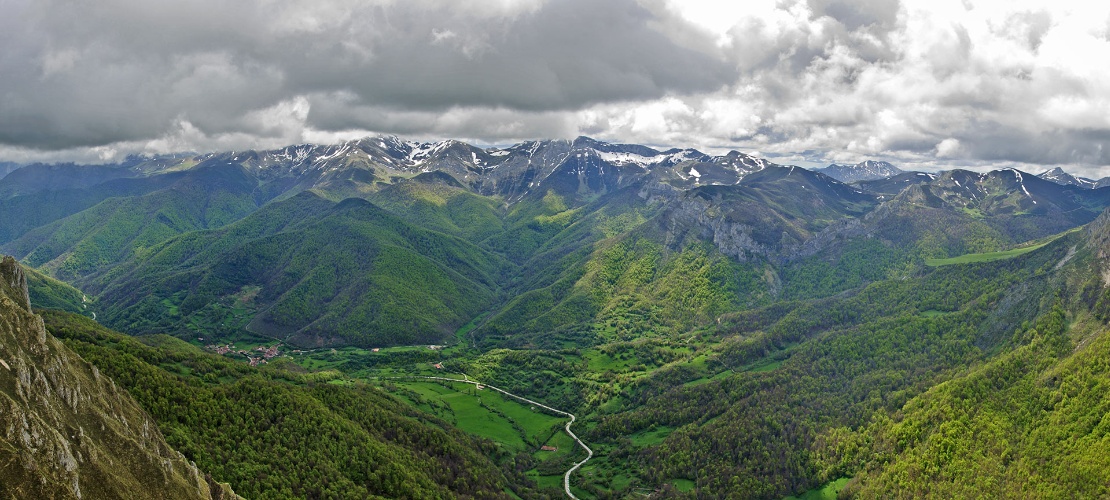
[
  {"x": 718, "y": 323},
  {"x": 436, "y": 201},
  {"x": 891, "y": 186},
  {"x": 279, "y": 433},
  {"x": 39, "y": 208},
  {"x": 767, "y": 404},
  {"x": 98, "y": 238},
  {"x": 963, "y": 212},
  {"x": 925, "y": 216},
  {"x": 770, "y": 214},
  {"x": 1059, "y": 176},
  {"x": 68, "y": 430},
  {"x": 64, "y": 176},
  {"x": 869, "y": 170},
  {"x": 676, "y": 259},
  {"x": 48, "y": 293},
  {"x": 1028, "y": 423},
  {"x": 307, "y": 270}
]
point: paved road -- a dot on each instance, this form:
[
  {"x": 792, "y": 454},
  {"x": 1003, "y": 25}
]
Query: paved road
[{"x": 566, "y": 477}]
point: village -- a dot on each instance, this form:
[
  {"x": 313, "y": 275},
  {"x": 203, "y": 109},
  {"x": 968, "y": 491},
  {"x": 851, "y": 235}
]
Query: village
[{"x": 260, "y": 354}]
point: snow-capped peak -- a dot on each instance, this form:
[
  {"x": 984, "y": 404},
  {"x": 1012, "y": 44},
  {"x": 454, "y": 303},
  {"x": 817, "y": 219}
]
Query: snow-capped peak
[
  {"x": 1059, "y": 176},
  {"x": 868, "y": 170}
]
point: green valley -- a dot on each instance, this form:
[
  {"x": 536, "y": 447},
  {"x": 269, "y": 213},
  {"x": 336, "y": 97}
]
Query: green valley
[{"x": 779, "y": 334}]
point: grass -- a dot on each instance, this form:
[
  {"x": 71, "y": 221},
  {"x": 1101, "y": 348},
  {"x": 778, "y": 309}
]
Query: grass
[
  {"x": 171, "y": 309},
  {"x": 684, "y": 485},
  {"x": 983, "y": 257},
  {"x": 931, "y": 313},
  {"x": 759, "y": 366},
  {"x": 650, "y": 438},
  {"x": 546, "y": 481},
  {"x": 826, "y": 492},
  {"x": 764, "y": 365},
  {"x": 460, "y": 334},
  {"x": 568, "y": 449},
  {"x": 620, "y": 482},
  {"x": 706, "y": 379},
  {"x": 568, "y": 453},
  {"x": 973, "y": 212},
  {"x": 491, "y": 415},
  {"x": 466, "y": 412},
  {"x": 599, "y": 362},
  {"x": 1022, "y": 249}
]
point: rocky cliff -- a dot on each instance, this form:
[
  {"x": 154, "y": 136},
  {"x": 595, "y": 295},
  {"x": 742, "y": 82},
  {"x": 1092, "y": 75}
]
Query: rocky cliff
[{"x": 66, "y": 431}]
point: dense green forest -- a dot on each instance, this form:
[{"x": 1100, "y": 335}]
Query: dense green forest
[
  {"x": 279, "y": 432},
  {"x": 309, "y": 269}
]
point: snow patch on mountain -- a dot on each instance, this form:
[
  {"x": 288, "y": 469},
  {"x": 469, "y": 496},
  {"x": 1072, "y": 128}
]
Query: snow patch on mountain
[
  {"x": 1059, "y": 176},
  {"x": 869, "y": 170}
]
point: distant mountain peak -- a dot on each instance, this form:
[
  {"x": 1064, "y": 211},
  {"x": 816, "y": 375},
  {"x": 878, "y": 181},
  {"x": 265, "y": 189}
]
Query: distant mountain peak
[
  {"x": 868, "y": 170},
  {"x": 1059, "y": 176}
]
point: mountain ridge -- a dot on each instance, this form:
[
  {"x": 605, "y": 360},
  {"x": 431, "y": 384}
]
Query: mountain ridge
[
  {"x": 1059, "y": 176},
  {"x": 867, "y": 170}
]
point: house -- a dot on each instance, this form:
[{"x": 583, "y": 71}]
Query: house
[
  {"x": 549, "y": 448},
  {"x": 375, "y": 349},
  {"x": 438, "y": 366}
]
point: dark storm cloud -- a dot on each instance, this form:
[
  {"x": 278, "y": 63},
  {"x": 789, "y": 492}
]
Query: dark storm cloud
[
  {"x": 94, "y": 73},
  {"x": 1001, "y": 143}
]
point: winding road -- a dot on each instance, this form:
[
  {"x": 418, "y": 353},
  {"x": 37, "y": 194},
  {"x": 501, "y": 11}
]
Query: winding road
[{"x": 566, "y": 477}]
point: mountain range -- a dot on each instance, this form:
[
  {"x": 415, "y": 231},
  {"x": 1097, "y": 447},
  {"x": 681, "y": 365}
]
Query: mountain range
[
  {"x": 172, "y": 243},
  {"x": 679, "y": 303}
]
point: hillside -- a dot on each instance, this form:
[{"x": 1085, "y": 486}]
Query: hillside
[
  {"x": 1034, "y": 410},
  {"x": 306, "y": 270},
  {"x": 88, "y": 242},
  {"x": 69, "y": 430},
  {"x": 278, "y": 432}
]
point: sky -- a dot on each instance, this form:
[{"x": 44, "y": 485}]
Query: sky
[{"x": 925, "y": 85}]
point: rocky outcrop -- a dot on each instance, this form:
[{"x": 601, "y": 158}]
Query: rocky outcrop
[
  {"x": 66, "y": 431},
  {"x": 689, "y": 217},
  {"x": 15, "y": 282},
  {"x": 1098, "y": 235}
]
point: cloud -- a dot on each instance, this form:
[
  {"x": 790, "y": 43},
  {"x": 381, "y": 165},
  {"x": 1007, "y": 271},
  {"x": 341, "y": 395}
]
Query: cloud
[
  {"x": 87, "y": 74},
  {"x": 925, "y": 84}
]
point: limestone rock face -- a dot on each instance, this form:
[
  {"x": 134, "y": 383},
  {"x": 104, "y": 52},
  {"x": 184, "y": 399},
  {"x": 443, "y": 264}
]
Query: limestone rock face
[
  {"x": 66, "y": 431},
  {"x": 15, "y": 282}
]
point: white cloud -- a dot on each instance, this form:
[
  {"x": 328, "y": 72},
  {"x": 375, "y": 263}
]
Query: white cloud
[{"x": 948, "y": 148}]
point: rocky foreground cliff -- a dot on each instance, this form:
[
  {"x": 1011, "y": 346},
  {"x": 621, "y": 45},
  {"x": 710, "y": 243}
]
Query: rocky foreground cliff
[{"x": 66, "y": 431}]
